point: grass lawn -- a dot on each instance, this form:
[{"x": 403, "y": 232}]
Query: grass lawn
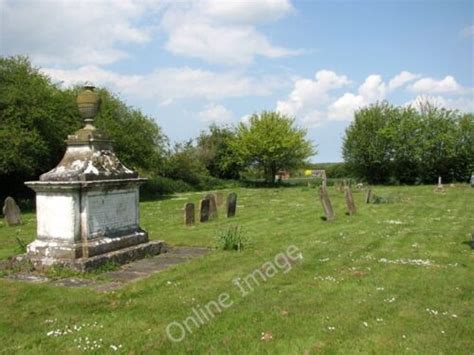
[{"x": 396, "y": 277}]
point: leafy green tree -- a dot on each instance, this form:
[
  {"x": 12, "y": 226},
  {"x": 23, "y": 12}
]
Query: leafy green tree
[
  {"x": 36, "y": 116},
  {"x": 405, "y": 145},
  {"x": 438, "y": 127},
  {"x": 138, "y": 141},
  {"x": 270, "y": 142},
  {"x": 463, "y": 161},
  {"x": 215, "y": 151},
  {"x": 367, "y": 144},
  {"x": 184, "y": 164}
]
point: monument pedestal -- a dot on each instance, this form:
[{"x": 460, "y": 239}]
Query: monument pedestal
[
  {"x": 80, "y": 220},
  {"x": 88, "y": 206}
]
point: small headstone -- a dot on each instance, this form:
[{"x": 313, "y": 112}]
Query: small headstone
[
  {"x": 440, "y": 187},
  {"x": 212, "y": 205},
  {"x": 368, "y": 195},
  {"x": 231, "y": 204},
  {"x": 11, "y": 211},
  {"x": 326, "y": 202},
  {"x": 189, "y": 214},
  {"x": 204, "y": 206},
  {"x": 349, "y": 200},
  {"x": 219, "y": 198},
  {"x": 472, "y": 179}
]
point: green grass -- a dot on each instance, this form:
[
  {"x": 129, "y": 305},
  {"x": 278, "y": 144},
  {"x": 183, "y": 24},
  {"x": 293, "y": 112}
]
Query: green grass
[{"x": 350, "y": 292}]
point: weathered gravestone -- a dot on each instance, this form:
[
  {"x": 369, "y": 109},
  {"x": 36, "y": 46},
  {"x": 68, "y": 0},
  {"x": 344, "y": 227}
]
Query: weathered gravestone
[
  {"x": 189, "y": 214},
  {"x": 368, "y": 195},
  {"x": 349, "y": 201},
  {"x": 11, "y": 211},
  {"x": 326, "y": 202},
  {"x": 219, "y": 198},
  {"x": 472, "y": 179},
  {"x": 212, "y": 205},
  {"x": 231, "y": 204},
  {"x": 204, "y": 206}
]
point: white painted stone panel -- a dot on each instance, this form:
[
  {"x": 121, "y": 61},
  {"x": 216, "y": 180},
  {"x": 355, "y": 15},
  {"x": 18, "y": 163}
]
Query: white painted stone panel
[
  {"x": 58, "y": 216},
  {"x": 112, "y": 211}
]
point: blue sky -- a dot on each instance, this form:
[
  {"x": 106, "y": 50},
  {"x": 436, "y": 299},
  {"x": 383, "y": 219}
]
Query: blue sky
[{"x": 190, "y": 63}]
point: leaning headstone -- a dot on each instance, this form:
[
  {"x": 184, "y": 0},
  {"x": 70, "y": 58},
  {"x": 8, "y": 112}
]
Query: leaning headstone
[
  {"x": 219, "y": 198},
  {"x": 11, "y": 211},
  {"x": 189, "y": 214},
  {"x": 212, "y": 205},
  {"x": 204, "y": 206},
  {"x": 231, "y": 204},
  {"x": 368, "y": 195},
  {"x": 326, "y": 202},
  {"x": 349, "y": 200}
]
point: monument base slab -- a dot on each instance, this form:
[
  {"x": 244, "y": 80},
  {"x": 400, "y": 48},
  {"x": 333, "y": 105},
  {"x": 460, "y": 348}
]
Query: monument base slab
[{"x": 83, "y": 264}]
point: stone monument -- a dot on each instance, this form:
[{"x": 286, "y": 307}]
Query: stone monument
[{"x": 88, "y": 206}]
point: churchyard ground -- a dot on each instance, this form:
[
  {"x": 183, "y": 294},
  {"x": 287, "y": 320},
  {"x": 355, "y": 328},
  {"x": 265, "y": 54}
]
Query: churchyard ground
[{"x": 396, "y": 277}]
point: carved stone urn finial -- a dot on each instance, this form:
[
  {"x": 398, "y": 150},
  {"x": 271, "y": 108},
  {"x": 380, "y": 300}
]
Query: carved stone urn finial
[{"x": 88, "y": 102}]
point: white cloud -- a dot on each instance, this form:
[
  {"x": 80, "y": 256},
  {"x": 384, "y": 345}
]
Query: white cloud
[
  {"x": 214, "y": 113},
  {"x": 313, "y": 102},
  {"x": 344, "y": 107},
  {"x": 433, "y": 86},
  {"x": 223, "y": 31},
  {"x": 245, "y": 12},
  {"x": 373, "y": 88},
  {"x": 222, "y": 44},
  {"x": 82, "y": 32},
  {"x": 401, "y": 79},
  {"x": 169, "y": 84},
  {"x": 308, "y": 95}
]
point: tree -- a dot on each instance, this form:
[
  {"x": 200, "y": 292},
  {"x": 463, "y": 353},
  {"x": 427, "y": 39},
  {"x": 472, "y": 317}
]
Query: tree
[
  {"x": 271, "y": 143},
  {"x": 367, "y": 143},
  {"x": 184, "y": 164},
  {"x": 36, "y": 116},
  {"x": 138, "y": 141},
  {"x": 215, "y": 151},
  {"x": 405, "y": 145}
]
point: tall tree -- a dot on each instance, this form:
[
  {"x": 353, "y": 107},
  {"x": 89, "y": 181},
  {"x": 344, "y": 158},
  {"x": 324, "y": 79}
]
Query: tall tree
[
  {"x": 271, "y": 142},
  {"x": 36, "y": 116},
  {"x": 215, "y": 151},
  {"x": 367, "y": 143},
  {"x": 405, "y": 145}
]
